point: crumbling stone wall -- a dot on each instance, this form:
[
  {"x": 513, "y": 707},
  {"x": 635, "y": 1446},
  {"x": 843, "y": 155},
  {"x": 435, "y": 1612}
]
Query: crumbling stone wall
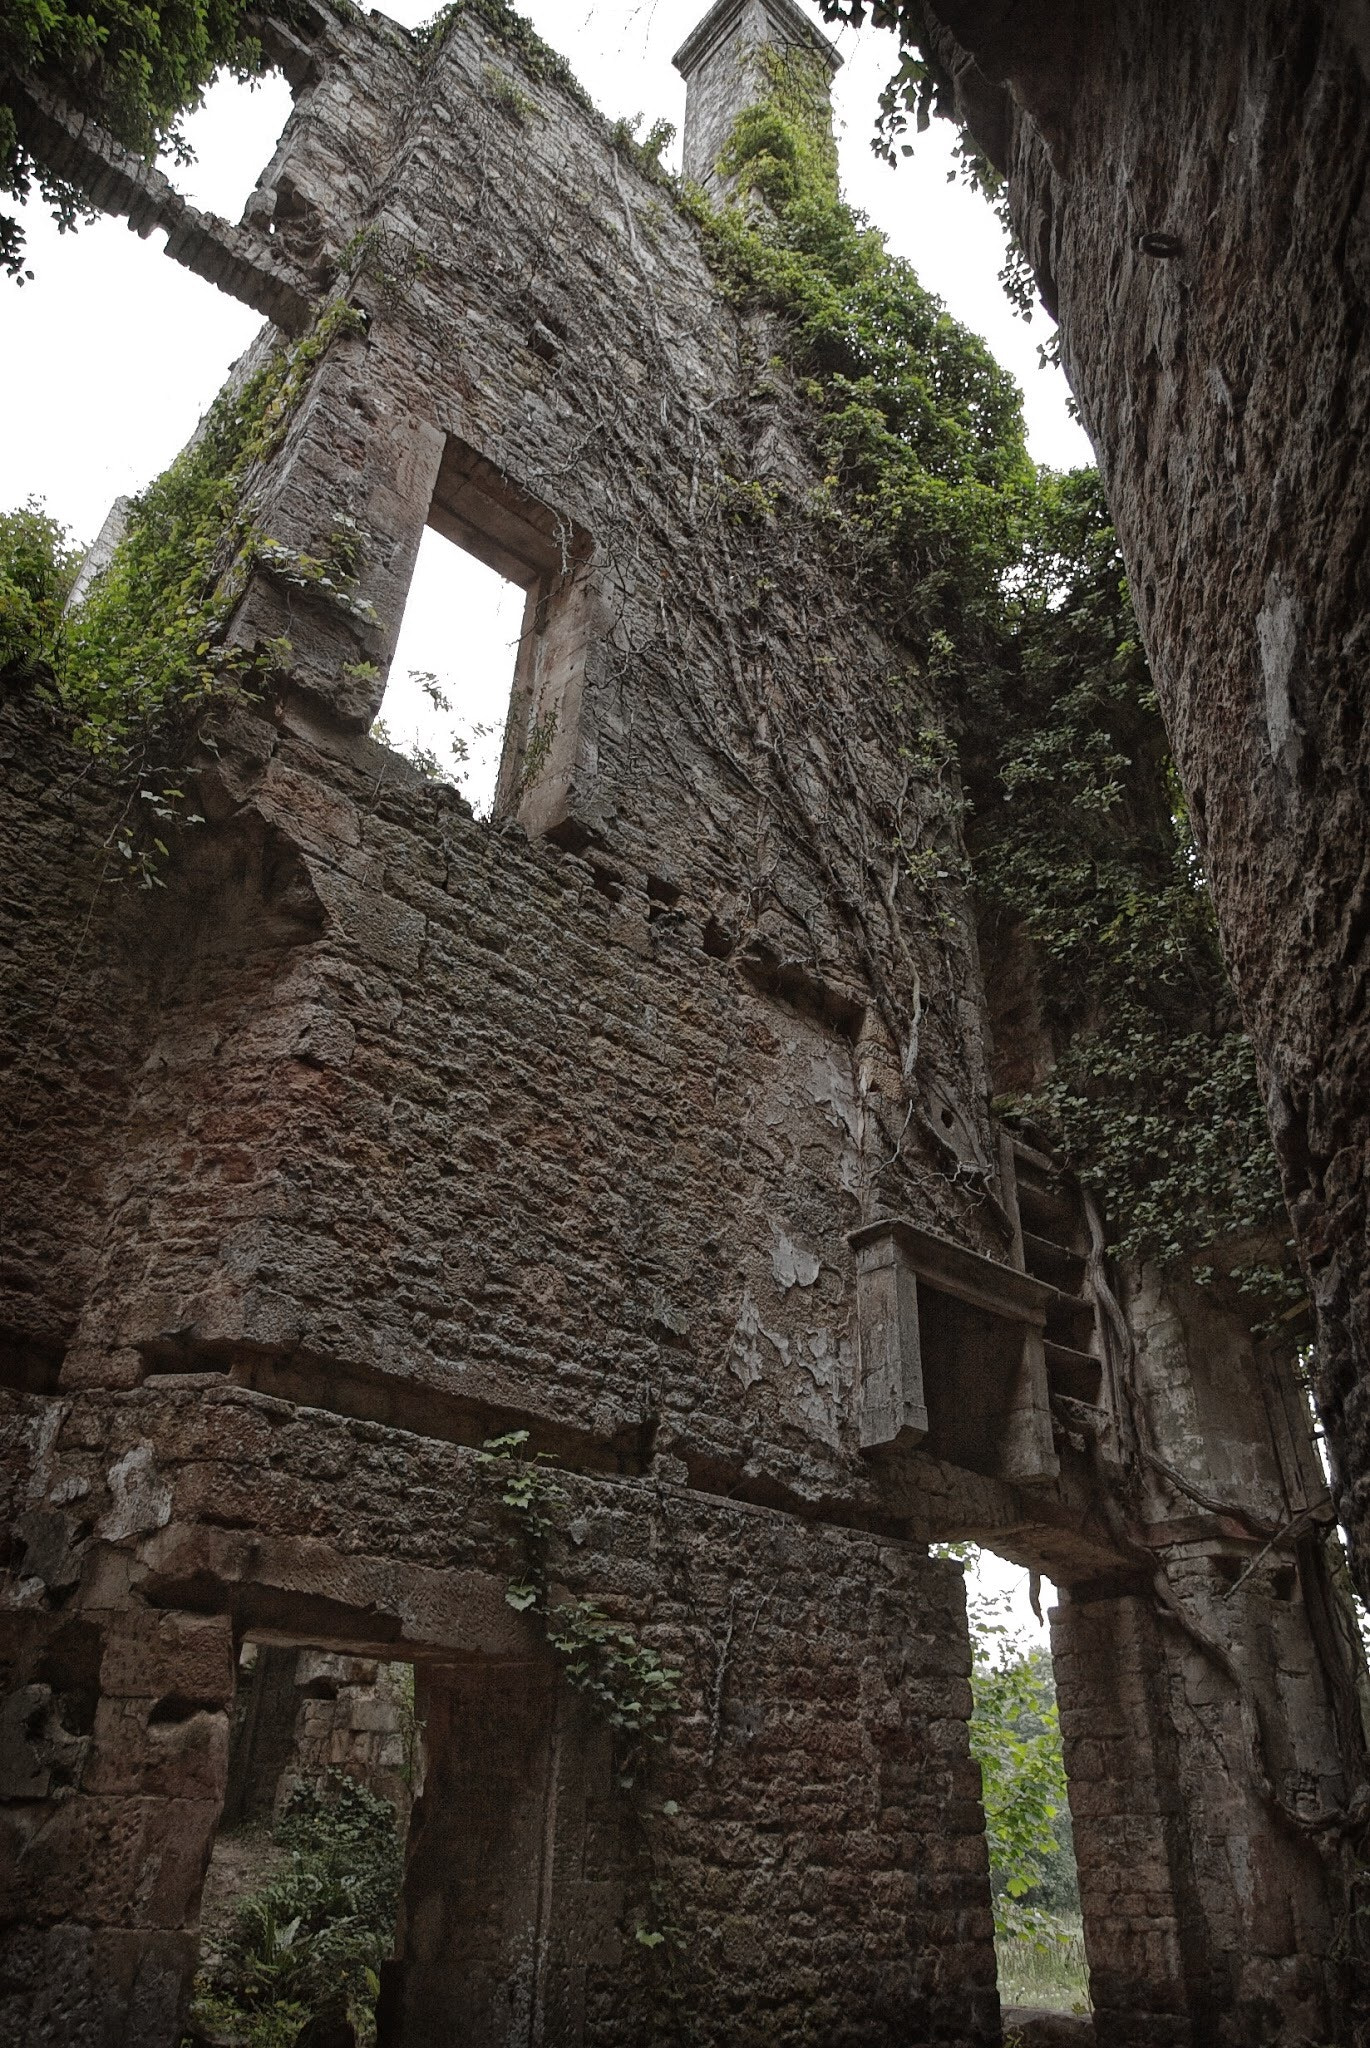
[
  {"x": 299, "y": 1715},
  {"x": 382, "y": 1130},
  {"x": 825, "y": 1678},
  {"x": 1188, "y": 184}
]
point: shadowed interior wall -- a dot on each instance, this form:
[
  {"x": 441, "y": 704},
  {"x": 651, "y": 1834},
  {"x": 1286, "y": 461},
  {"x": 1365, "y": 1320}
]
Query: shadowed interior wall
[{"x": 1189, "y": 186}]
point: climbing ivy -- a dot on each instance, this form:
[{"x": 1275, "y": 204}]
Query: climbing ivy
[
  {"x": 303, "y": 1956},
  {"x": 626, "y": 1682},
  {"x": 919, "y": 429},
  {"x": 1010, "y": 583},
  {"x": 1080, "y": 837},
  {"x": 138, "y": 70},
  {"x": 144, "y": 654},
  {"x": 536, "y": 58}
]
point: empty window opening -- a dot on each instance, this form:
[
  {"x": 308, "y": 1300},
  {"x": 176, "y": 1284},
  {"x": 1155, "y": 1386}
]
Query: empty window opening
[
  {"x": 229, "y": 137},
  {"x": 488, "y": 671},
  {"x": 447, "y": 701},
  {"x": 1016, "y": 1738},
  {"x": 385, "y": 1860}
]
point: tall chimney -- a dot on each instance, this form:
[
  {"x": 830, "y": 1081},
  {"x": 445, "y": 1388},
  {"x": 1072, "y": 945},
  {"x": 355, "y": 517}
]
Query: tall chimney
[{"x": 721, "y": 63}]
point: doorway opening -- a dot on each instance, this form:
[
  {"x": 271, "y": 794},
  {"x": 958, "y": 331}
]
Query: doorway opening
[
  {"x": 413, "y": 1852},
  {"x": 1016, "y": 1739},
  {"x": 302, "y": 1897}
]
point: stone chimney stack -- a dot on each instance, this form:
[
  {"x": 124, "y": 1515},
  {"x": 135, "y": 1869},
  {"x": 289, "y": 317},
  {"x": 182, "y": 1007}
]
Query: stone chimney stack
[{"x": 721, "y": 64}]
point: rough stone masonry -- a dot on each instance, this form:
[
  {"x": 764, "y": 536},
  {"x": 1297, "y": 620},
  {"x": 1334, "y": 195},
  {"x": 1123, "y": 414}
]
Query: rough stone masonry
[
  {"x": 1190, "y": 185},
  {"x": 645, "y": 1118}
]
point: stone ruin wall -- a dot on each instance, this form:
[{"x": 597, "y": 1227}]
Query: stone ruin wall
[
  {"x": 302, "y": 1717},
  {"x": 384, "y": 1130},
  {"x": 1190, "y": 186}
]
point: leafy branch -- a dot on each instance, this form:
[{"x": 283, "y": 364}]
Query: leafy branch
[{"x": 146, "y": 652}]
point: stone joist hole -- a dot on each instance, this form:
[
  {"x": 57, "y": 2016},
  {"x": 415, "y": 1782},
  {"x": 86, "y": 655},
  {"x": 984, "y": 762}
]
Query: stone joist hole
[{"x": 490, "y": 646}]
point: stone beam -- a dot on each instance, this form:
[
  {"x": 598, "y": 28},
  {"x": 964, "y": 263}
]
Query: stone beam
[{"x": 239, "y": 260}]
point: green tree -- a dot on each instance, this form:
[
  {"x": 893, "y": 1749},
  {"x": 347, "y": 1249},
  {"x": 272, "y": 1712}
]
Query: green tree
[
  {"x": 1015, "y": 1737},
  {"x": 37, "y": 567},
  {"x": 138, "y": 69}
]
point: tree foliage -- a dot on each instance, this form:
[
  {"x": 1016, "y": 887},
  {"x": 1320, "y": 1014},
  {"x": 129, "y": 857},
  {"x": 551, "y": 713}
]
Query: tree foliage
[
  {"x": 1015, "y": 1737},
  {"x": 38, "y": 565}
]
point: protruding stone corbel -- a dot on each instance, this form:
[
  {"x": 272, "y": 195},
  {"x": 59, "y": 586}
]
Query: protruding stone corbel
[{"x": 952, "y": 1359}]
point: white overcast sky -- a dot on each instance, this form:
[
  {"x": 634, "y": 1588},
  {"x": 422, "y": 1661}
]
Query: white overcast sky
[{"x": 110, "y": 356}]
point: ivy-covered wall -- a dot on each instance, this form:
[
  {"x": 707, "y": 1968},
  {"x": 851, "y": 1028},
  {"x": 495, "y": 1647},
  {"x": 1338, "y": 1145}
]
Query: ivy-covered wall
[
  {"x": 1012, "y": 586},
  {"x": 394, "y": 1133}
]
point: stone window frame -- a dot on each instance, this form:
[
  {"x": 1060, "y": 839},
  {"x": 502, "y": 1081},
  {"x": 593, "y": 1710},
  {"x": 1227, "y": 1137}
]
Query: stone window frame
[
  {"x": 488, "y": 515},
  {"x": 935, "y": 1321}
]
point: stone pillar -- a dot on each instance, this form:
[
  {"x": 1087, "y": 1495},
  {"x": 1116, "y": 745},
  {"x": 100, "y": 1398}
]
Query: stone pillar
[
  {"x": 723, "y": 66},
  {"x": 1210, "y": 1915},
  {"x": 263, "y": 1738},
  {"x": 114, "y": 1758},
  {"x": 512, "y": 1890},
  {"x": 348, "y": 499},
  {"x": 1143, "y": 1931}
]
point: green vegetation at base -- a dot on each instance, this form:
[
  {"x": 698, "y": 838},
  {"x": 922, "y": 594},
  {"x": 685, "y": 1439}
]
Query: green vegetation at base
[
  {"x": 1049, "y": 1975},
  {"x": 312, "y": 1939}
]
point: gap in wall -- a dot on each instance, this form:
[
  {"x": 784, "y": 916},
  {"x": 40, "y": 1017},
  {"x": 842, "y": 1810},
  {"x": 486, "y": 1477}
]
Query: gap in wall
[
  {"x": 447, "y": 701},
  {"x": 301, "y": 1895},
  {"x": 1039, "y": 1941},
  {"x": 167, "y": 339},
  {"x": 233, "y": 135}
]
